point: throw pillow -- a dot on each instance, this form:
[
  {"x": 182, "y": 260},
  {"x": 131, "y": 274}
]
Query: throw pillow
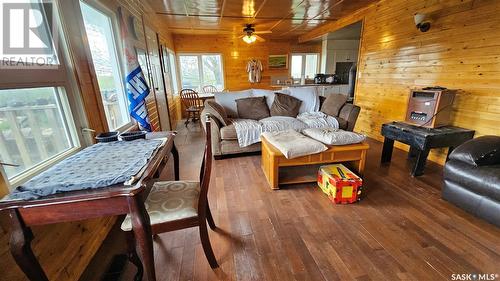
[
  {"x": 217, "y": 111},
  {"x": 308, "y": 96},
  {"x": 333, "y": 104},
  {"x": 332, "y": 136},
  {"x": 228, "y": 101},
  {"x": 285, "y": 105},
  {"x": 293, "y": 144},
  {"x": 252, "y": 108}
]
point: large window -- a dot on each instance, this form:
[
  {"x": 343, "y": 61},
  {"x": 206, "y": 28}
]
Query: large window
[
  {"x": 103, "y": 47},
  {"x": 304, "y": 66},
  {"x": 39, "y": 109},
  {"x": 201, "y": 70},
  {"x": 34, "y": 127}
]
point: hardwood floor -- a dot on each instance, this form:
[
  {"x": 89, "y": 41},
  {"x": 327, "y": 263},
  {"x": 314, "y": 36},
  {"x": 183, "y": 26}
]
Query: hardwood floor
[{"x": 401, "y": 230}]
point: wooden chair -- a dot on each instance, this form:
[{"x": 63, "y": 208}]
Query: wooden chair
[
  {"x": 192, "y": 103},
  {"x": 210, "y": 89},
  {"x": 175, "y": 205}
]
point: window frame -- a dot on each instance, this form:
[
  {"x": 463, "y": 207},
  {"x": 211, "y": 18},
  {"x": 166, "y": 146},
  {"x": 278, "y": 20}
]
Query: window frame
[
  {"x": 64, "y": 80},
  {"x": 303, "y": 70},
  {"x": 200, "y": 67},
  {"x": 174, "y": 68},
  {"x": 118, "y": 44}
]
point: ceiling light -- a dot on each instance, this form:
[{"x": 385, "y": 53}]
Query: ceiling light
[{"x": 249, "y": 38}]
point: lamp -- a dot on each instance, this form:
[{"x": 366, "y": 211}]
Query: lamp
[
  {"x": 249, "y": 38},
  {"x": 421, "y": 22}
]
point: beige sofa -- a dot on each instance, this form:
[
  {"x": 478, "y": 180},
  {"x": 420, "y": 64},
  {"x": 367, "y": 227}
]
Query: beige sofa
[{"x": 225, "y": 141}]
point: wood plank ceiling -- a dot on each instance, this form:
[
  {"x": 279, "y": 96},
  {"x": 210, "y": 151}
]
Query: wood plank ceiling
[{"x": 285, "y": 18}]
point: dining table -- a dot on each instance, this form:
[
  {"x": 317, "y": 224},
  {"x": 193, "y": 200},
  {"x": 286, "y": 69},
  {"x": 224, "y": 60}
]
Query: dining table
[
  {"x": 205, "y": 96},
  {"x": 114, "y": 200}
]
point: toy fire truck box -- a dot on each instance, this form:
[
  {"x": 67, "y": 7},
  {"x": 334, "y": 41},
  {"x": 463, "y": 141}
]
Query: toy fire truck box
[{"x": 340, "y": 184}]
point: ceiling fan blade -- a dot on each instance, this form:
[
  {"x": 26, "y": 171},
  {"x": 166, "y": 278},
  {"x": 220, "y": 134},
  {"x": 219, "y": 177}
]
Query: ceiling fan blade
[
  {"x": 260, "y": 38},
  {"x": 263, "y": 32}
]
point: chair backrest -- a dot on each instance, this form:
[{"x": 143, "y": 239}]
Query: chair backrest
[
  {"x": 190, "y": 98},
  {"x": 210, "y": 89},
  {"x": 206, "y": 168}
]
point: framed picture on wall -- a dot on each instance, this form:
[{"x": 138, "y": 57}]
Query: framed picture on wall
[{"x": 278, "y": 61}]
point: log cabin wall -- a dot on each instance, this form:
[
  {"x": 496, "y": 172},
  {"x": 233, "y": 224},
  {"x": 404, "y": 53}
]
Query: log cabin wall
[
  {"x": 64, "y": 250},
  {"x": 236, "y": 53},
  {"x": 460, "y": 51}
]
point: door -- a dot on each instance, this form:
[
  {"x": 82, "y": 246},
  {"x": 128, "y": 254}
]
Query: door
[{"x": 158, "y": 86}]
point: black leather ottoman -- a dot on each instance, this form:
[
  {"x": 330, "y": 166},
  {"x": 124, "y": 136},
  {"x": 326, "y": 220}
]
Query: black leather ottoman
[{"x": 472, "y": 178}]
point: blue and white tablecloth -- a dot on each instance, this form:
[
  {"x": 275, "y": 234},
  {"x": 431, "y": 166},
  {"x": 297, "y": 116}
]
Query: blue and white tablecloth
[{"x": 99, "y": 165}]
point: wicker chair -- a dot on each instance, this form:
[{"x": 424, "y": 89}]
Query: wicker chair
[
  {"x": 193, "y": 105},
  {"x": 210, "y": 89}
]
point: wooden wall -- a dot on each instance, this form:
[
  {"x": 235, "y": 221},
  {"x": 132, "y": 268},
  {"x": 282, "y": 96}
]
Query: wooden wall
[
  {"x": 236, "y": 54},
  {"x": 461, "y": 51},
  {"x": 65, "y": 249}
]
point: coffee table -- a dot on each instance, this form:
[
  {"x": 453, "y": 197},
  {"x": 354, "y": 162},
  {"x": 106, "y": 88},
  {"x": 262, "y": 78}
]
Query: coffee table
[{"x": 280, "y": 170}]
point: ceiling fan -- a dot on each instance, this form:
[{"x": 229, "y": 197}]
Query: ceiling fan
[{"x": 250, "y": 35}]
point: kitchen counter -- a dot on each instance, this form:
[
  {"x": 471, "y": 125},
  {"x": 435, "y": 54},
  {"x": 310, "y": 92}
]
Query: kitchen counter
[
  {"x": 322, "y": 89},
  {"x": 304, "y": 85}
]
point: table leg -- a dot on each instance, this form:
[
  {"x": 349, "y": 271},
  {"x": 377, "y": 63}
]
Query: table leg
[
  {"x": 175, "y": 153},
  {"x": 387, "y": 150},
  {"x": 418, "y": 168},
  {"x": 413, "y": 152},
  {"x": 143, "y": 235},
  {"x": 20, "y": 248}
]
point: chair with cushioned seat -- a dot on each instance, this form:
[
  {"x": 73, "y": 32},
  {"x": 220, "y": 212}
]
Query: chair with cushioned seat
[{"x": 175, "y": 205}]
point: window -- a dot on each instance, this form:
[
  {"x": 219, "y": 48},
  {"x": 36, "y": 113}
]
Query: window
[
  {"x": 170, "y": 70},
  {"x": 173, "y": 70},
  {"x": 201, "y": 70},
  {"x": 99, "y": 29},
  {"x": 304, "y": 66},
  {"x": 39, "y": 107},
  {"x": 34, "y": 127}
]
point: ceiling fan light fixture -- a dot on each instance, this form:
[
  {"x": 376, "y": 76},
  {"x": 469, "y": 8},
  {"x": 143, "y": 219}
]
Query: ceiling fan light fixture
[{"x": 249, "y": 39}]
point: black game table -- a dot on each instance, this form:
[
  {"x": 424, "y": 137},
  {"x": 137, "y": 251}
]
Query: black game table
[{"x": 421, "y": 140}]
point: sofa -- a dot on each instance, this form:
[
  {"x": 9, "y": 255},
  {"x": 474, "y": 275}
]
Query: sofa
[
  {"x": 224, "y": 136},
  {"x": 472, "y": 178}
]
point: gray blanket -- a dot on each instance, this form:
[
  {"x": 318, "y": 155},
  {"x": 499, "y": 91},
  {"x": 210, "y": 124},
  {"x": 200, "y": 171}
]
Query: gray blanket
[{"x": 97, "y": 166}]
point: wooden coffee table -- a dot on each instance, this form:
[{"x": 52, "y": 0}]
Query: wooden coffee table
[{"x": 280, "y": 170}]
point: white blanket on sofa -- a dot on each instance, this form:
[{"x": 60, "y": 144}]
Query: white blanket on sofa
[{"x": 249, "y": 131}]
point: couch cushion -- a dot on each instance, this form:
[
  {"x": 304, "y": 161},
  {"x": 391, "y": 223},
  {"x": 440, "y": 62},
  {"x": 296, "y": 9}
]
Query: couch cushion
[
  {"x": 228, "y": 133},
  {"x": 252, "y": 108},
  {"x": 217, "y": 111},
  {"x": 228, "y": 101},
  {"x": 484, "y": 180},
  {"x": 264, "y": 93},
  {"x": 480, "y": 151},
  {"x": 333, "y": 104},
  {"x": 342, "y": 123},
  {"x": 308, "y": 96},
  {"x": 285, "y": 105}
]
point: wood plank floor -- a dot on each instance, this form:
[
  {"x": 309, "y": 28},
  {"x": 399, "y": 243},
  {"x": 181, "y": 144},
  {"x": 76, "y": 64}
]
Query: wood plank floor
[{"x": 401, "y": 230}]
